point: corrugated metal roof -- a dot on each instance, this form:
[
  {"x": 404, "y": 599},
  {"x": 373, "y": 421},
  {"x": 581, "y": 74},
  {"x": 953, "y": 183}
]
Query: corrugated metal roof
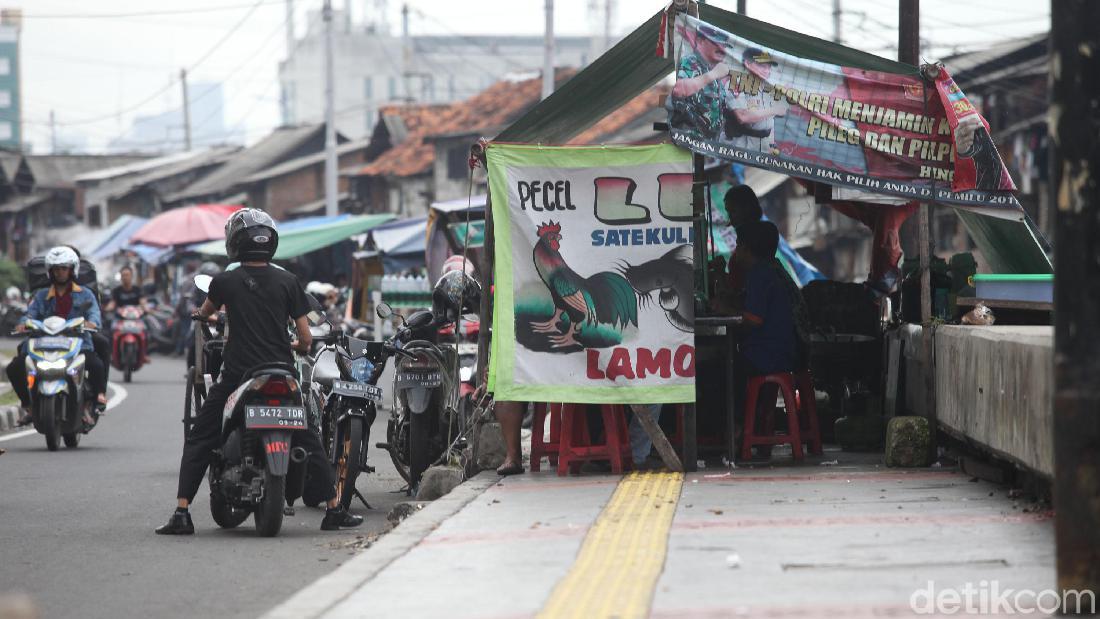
[
  {"x": 248, "y": 161},
  {"x": 129, "y": 183},
  {"x": 297, "y": 164},
  {"x": 20, "y": 203},
  {"x": 60, "y": 171}
]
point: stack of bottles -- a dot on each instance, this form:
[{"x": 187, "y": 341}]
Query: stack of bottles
[{"x": 406, "y": 291}]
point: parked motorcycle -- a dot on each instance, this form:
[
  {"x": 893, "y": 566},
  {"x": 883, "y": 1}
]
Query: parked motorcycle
[
  {"x": 61, "y": 395},
  {"x": 160, "y": 328},
  {"x": 12, "y": 310},
  {"x": 343, "y": 392},
  {"x": 425, "y": 419},
  {"x": 128, "y": 344}
]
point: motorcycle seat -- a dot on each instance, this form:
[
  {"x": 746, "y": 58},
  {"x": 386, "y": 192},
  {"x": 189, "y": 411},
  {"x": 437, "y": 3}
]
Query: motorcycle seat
[
  {"x": 325, "y": 371},
  {"x": 273, "y": 368}
]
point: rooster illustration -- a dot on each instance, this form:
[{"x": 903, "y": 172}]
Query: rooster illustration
[{"x": 604, "y": 298}]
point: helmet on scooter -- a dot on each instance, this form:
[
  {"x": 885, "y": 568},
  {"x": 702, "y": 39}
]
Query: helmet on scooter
[
  {"x": 13, "y": 294},
  {"x": 455, "y": 293},
  {"x": 62, "y": 256},
  {"x": 250, "y": 234}
]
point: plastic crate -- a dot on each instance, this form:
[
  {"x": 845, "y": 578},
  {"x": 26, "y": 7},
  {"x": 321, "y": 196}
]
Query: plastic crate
[{"x": 1015, "y": 287}]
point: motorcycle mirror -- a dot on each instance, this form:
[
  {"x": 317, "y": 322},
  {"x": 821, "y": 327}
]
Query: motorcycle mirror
[
  {"x": 384, "y": 311},
  {"x": 421, "y": 319},
  {"x": 202, "y": 282},
  {"x": 316, "y": 315}
]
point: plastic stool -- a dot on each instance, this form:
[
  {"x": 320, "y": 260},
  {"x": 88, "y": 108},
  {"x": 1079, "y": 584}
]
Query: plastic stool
[
  {"x": 575, "y": 444},
  {"x": 540, "y": 447},
  {"x": 807, "y": 410},
  {"x": 785, "y": 382}
]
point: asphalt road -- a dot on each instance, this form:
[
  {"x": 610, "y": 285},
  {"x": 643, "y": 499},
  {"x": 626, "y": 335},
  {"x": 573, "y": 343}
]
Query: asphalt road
[{"x": 76, "y": 526}]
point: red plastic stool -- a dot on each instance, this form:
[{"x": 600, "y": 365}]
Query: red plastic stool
[
  {"x": 785, "y": 382},
  {"x": 575, "y": 444},
  {"x": 807, "y": 411},
  {"x": 540, "y": 447}
]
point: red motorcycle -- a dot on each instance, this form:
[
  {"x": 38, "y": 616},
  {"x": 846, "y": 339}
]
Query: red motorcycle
[{"x": 129, "y": 344}]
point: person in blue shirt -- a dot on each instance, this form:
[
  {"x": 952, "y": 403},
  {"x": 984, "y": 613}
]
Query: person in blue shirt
[
  {"x": 67, "y": 299},
  {"x": 770, "y": 343}
]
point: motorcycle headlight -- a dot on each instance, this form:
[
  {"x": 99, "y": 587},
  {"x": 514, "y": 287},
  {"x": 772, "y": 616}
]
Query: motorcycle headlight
[
  {"x": 360, "y": 370},
  {"x": 57, "y": 364}
]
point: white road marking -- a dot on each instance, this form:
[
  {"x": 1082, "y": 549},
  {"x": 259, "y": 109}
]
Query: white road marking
[{"x": 120, "y": 394}]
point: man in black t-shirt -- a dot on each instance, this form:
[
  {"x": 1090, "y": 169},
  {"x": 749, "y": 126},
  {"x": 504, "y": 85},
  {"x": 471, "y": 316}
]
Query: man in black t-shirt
[
  {"x": 127, "y": 293},
  {"x": 259, "y": 300}
]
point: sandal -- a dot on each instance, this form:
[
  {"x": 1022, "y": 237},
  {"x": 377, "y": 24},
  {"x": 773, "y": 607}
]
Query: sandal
[{"x": 515, "y": 469}]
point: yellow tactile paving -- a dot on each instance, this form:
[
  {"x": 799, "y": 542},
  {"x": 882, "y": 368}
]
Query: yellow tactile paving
[{"x": 623, "y": 554}]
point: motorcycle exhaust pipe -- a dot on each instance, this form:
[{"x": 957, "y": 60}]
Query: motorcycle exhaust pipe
[{"x": 296, "y": 474}]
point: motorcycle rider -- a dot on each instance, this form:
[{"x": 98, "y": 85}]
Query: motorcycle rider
[
  {"x": 126, "y": 293},
  {"x": 67, "y": 299},
  {"x": 259, "y": 300}
]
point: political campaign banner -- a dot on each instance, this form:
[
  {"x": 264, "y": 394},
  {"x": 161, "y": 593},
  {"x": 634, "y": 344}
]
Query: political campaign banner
[
  {"x": 880, "y": 132},
  {"x": 594, "y": 288}
]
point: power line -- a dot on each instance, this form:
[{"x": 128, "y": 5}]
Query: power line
[
  {"x": 206, "y": 9},
  {"x": 172, "y": 83}
]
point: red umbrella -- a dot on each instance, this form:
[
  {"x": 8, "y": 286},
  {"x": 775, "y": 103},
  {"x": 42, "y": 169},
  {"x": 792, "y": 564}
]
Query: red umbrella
[{"x": 186, "y": 225}]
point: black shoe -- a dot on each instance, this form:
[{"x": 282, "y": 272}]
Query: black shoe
[
  {"x": 179, "y": 524},
  {"x": 338, "y": 518},
  {"x": 26, "y": 419}
]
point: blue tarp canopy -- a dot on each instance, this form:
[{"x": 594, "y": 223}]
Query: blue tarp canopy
[
  {"x": 108, "y": 242},
  {"x": 400, "y": 244}
]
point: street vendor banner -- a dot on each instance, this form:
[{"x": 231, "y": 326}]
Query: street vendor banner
[
  {"x": 869, "y": 130},
  {"x": 594, "y": 289}
]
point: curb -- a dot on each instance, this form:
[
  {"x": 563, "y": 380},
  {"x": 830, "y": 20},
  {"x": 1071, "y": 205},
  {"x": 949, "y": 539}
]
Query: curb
[{"x": 330, "y": 590}]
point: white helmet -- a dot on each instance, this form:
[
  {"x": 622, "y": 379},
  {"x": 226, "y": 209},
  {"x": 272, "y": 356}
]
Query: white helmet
[
  {"x": 13, "y": 294},
  {"x": 62, "y": 256}
]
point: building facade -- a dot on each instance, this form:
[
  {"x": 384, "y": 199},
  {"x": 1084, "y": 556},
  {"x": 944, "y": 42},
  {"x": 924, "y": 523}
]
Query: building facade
[
  {"x": 11, "y": 95},
  {"x": 375, "y": 68}
]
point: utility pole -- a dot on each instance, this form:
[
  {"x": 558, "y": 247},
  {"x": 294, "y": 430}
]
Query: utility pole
[
  {"x": 909, "y": 52},
  {"x": 608, "y": 11},
  {"x": 331, "y": 206},
  {"x": 836, "y": 22},
  {"x": 741, "y": 8},
  {"x": 53, "y": 134},
  {"x": 406, "y": 53},
  {"x": 186, "y": 111},
  {"x": 548, "y": 52},
  {"x": 289, "y": 27},
  {"x": 1075, "y": 175}
]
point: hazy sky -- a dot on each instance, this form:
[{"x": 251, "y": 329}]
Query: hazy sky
[{"x": 96, "y": 73}]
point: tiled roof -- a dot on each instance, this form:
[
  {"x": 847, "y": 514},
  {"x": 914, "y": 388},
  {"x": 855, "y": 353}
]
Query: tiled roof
[
  {"x": 493, "y": 108},
  {"x": 619, "y": 120}
]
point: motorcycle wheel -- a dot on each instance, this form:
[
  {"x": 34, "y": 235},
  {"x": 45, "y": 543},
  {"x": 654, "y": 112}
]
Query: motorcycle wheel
[
  {"x": 269, "y": 513},
  {"x": 49, "y": 409},
  {"x": 224, "y": 514},
  {"x": 396, "y": 448},
  {"x": 419, "y": 459},
  {"x": 347, "y": 463}
]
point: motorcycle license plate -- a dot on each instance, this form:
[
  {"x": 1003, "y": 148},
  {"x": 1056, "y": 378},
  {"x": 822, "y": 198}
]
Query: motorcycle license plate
[
  {"x": 52, "y": 343},
  {"x": 279, "y": 417},
  {"x": 357, "y": 390},
  {"x": 419, "y": 379}
]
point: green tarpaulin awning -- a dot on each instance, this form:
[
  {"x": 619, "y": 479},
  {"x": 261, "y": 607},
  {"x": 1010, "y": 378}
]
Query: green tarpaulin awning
[
  {"x": 294, "y": 243},
  {"x": 632, "y": 66}
]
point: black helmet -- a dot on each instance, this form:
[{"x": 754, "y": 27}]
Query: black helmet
[
  {"x": 250, "y": 234},
  {"x": 455, "y": 293}
]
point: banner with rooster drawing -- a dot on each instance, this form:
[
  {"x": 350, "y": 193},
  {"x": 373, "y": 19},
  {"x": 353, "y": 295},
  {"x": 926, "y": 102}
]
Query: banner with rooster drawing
[{"x": 593, "y": 272}]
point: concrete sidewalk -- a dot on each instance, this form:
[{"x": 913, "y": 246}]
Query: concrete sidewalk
[{"x": 794, "y": 541}]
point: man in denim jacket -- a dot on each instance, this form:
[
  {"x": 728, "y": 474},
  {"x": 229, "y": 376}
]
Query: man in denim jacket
[{"x": 67, "y": 299}]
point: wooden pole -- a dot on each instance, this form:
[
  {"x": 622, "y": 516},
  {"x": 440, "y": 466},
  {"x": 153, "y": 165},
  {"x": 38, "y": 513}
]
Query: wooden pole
[{"x": 1075, "y": 185}]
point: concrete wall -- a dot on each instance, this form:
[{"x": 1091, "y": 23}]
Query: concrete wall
[{"x": 995, "y": 386}]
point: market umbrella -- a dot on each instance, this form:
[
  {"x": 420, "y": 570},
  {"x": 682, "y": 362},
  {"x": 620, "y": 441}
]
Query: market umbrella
[{"x": 185, "y": 225}]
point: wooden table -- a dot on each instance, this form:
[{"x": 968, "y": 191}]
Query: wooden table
[{"x": 721, "y": 326}]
